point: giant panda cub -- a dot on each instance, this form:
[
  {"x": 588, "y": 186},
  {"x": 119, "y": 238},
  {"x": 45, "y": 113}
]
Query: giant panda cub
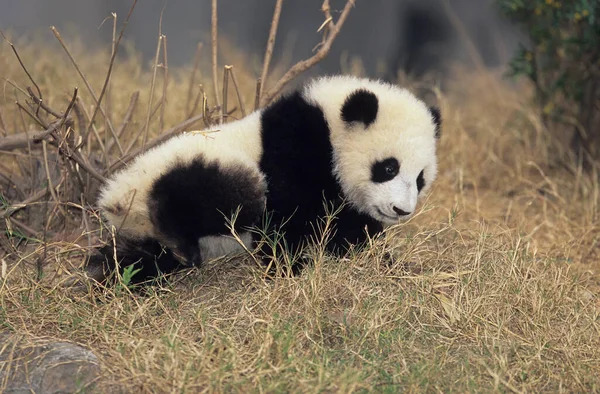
[{"x": 361, "y": 147}]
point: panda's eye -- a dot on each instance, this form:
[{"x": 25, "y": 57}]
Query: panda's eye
[{"x": 385, "y": 170}]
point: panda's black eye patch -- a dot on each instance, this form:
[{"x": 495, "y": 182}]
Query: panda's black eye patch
[
  {"x": 420, "y": 181},
  {"x": 385, "y": 170}
]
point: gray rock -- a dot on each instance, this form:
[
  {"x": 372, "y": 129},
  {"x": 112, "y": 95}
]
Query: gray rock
[{"x": 28, "y": 366}]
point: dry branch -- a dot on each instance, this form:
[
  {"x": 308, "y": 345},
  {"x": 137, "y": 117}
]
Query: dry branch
[
  {"x": 126, "y": 119},
  {"x": 107, "y": 79},
  {"x": 214, "y": 21},
  {"x": 333, "y": 29},
  {"x": 163, "y": 99},
  {"x": 23, "y": 66},
  {"x": 85, "y": 81},
  {"x": 237, "y": 92},
  {"x": 22, "y": 140},
  {"x": 225, "y": 87},
  {"x": 270, "y": 42},
  {"x": 155, "y": 69},
  {"x": 257, "y": 94}
]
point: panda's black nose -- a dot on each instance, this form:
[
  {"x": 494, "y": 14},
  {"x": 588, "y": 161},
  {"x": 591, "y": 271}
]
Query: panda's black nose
[{"x": 400, "y": 212}]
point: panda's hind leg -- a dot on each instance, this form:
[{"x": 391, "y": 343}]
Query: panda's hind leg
[{"x": 193, "y": 204}]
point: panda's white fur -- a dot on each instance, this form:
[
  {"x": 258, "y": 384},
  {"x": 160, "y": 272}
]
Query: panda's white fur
[
  {"x": 401, "y": 127},
  {"x": 124, "y": 198},
  {"x": 403, "y": 123}
]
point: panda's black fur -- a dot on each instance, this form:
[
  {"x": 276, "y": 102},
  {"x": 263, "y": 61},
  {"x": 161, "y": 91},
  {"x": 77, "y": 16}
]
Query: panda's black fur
[{"x": 191, "y": 199}]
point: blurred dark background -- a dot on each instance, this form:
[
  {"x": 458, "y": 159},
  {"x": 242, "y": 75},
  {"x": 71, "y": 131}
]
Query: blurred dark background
[{"x": 416, "y": 36}]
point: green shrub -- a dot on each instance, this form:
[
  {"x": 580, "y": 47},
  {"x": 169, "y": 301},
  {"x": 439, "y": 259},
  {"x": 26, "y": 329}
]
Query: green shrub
[{"x": 562, "y": 59}]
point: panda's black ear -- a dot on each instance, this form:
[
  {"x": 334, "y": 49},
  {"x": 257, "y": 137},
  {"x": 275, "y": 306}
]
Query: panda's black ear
[
  {"x": 360, "y": 106},
  {"x": 437, "y": 120}
]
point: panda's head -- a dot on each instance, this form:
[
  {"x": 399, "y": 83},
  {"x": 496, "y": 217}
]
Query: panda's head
[{"x": 384, "y": 144}]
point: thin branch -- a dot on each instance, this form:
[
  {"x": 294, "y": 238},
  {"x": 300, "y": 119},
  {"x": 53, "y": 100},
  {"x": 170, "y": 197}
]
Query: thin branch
[
  {"x": 69, "y": 152},
  {"x": 108, "y": 74},
  {"x": 161, "y": 138},
  {"x": 295, "y": 70},
  {"x": 163, "y": 99},
  {"x": 257, "y": 94},
  {"x": 85, "y": 81},
  {"x": 23, "y": 66},
  {"x": 32, "y": 116},
  {"x": 141, "y": 130},
  {"x": 49, "y": 179},
  {"x": 126, "y": 119},
  {"x": 225, "y": 86},
  {"x": 237, "y": 91},
  {"x": 113, "y": 49},
  {"x": 271, "y": 42},
  {"x": 94, "y": 131},
  {"x": 147, "y": 124},
  {"x": 214, "y": 21},
  {"x": 40, "y": 103}
]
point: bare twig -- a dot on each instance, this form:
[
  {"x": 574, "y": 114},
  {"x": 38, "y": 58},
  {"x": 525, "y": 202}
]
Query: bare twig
[
  {"x": 270, "y": 43},
  {"x": 147, "y": 123},
  {"x": 193, "y": 77},
  {"x": 333, "y": 30},
  {"x": 163, "y": 99},
  {"x": 32, "y": 116},
  {"x": 94, "y": 131},
  {"x": 40, "y": 103},
  {"x": 225, "y": 86},
  {"x": 108, "y": 74},
  {"x": 257, "y": 95},
  {"x": 49, "y": 179},
  {"x": 23, "y": 66},
  {"x": 237, "y": 91},
  {"x": 161, "y": 138},
  {"x": 85, "y": 81},
  {"x": 113, "y": 49},
  {"x": 214, "y": 21},
  {"x": 141, "y": 130},
  {"x": 126, "y": 119},
  {"x": 67, "y": 151}
]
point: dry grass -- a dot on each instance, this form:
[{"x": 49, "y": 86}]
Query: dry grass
[{"x": 493, "y": 286}]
